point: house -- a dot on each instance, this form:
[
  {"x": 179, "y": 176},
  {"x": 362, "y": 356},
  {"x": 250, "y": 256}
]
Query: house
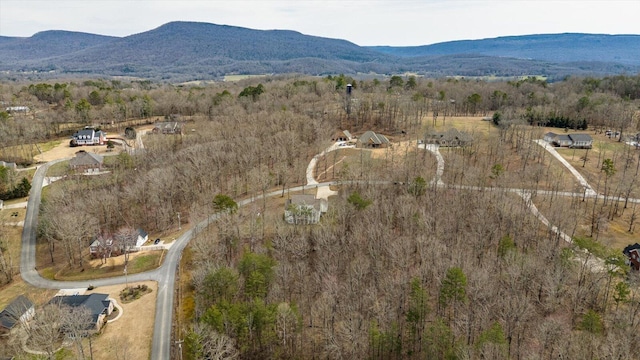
[
  {"x": 632, "y": 252},
  {"x": 103, "y": 246},
  {"x": 19, "y": 311},
  {"x": 89, "y": 136},
  {"x": 17, "y": 109},
  {"x": 548, "y": 137},
  {"x": 99, "y": 307},
  {"x": 341, "y": 135},
  {"x": 304, "y": 209},
  {"x": 8, "y": 165},
  {"x": 86, "y": 162},
  {"x": 580, "y": 141},
  {"x": 142, "y": 238},
  {"x": 450, "y": 137},
  {"x": 170, "y": 127},
  {"x": 372, "y": 140}
]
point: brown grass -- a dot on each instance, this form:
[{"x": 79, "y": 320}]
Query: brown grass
[
  {"x": 93, "y": 269},
  {"x": 613, "y": 232},
  {"x": 604, "y": 148},
  {"x": 19, "y": 287},
  {"x": 133, "y": 330},
  {"x": 377, "y": 164}
]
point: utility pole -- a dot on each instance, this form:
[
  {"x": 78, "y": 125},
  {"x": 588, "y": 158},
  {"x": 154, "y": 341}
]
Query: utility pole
[{"x": 126, "y": 278}]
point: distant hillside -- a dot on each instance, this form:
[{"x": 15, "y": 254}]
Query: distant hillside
[
  {"x": 46, "y": 44},
  {"x": 180, "y": 51},
  {"x": 621, "y": 49}
]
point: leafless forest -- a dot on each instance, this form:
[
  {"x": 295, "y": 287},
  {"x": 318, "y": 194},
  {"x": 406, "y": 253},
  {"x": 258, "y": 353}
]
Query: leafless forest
[{"x": 398, "y": 267}]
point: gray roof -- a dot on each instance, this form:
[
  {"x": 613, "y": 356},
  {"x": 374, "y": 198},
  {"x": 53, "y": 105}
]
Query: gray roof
[
  {"x": 374, "y": 138},
  {"x": 580, "y": 137},
  {"x": 562, "y": 138},
  {"x": 96, "y": 303},
  {"x": 306, "y": 199},
  {"x": 86, "y": 158},
  {"x": 88, "y": 132},
  {"x": 10, "y": 316}
]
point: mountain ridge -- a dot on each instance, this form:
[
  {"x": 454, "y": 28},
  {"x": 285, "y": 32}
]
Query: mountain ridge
[{"x": 190, "y": 50}]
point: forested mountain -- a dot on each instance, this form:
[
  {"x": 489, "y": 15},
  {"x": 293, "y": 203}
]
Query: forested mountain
[
  {"x": 569, "y": 47},
  {"x": 46, "y": 44},
  {"x": 180, "y": 51}
]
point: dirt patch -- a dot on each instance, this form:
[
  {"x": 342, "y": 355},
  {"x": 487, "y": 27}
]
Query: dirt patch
[
  {"x": 132, "y": 333},
  {"x": 63, "y": 150}
]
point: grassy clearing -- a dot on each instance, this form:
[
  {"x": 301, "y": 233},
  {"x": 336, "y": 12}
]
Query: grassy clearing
[
  {"x": 59, "y": 169},
  {"x": 94, "y": 269},
  {"x": 132, "y": 333},
  {"x": 146, "y": 262},
  {"x": 377, "y": 164},
  {"x": 19, "y": 287},
  {"x": 44, "y": 147},
  {"x": 12, "y": 235},
  {"x": 231, "y": 78},
  {"x": 573, "y": 216},
  {"x": 604, "y": 148}
]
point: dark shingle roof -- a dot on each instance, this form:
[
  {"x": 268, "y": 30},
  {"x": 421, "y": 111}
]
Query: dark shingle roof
[
  {"x": 628, "y": 248},
  {"x": 96, "y": 303},
  {"x": 580, "y": 137},
  {"x": 10, "y": 316}
]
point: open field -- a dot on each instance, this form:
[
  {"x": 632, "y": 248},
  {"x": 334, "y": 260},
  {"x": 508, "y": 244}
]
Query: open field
[
  {"x": 133, "y": 331},
  {"x": 63, "y": 150},
  {"x": 377, "y": 164},
  {"x": 93, "y": 269},
  {"x": 626, "y": 160},
  {"x": 574, "y": 215},
  {"x": 19, "y": 287}
]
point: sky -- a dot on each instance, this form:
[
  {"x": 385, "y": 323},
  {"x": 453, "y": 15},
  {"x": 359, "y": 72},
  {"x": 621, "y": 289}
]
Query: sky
[{"x": 363, "y": 22}]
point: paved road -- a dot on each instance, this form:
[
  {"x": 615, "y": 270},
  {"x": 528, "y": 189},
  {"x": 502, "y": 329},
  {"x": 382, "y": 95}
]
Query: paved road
[
  {"x": 165, "y": 274},
  {"x": 588, "y": 189}
]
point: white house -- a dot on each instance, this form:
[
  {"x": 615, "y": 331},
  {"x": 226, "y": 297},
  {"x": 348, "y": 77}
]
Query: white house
[
  {"x": 89, "y": 136},
  {"x": 304, "y": 209},
  {"x": 142, "y": 237}
]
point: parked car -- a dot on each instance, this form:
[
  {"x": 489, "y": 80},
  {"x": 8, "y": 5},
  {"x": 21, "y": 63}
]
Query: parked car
[{"x": 157, "y": 241}]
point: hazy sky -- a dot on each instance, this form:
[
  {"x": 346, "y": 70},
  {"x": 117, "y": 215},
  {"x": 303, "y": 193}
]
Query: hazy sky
[{"x": 364, "y": 22}]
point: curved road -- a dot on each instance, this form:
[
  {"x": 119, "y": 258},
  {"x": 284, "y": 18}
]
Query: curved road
[{"x": 165, "y": 274}]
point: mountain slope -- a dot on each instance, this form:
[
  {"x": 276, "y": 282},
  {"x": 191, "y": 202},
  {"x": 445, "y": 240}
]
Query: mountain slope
[
  {"x": 47, "y": 44},
  {"x": 180, "y": 51},
  {"x": 179, "y": 44},
  {"x": 569, "y": 47}
]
